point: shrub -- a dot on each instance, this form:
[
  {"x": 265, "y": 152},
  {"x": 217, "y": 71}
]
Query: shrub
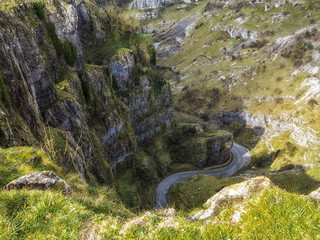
[
  {"x": 312, "y": 102},
  {"x": 39, "y": 9},
  {"x": 69, "y": 53},
  {"x": 236, "y": 127},
  {"x": 309, "y": 45},
  {"x": 115, "y": 84},
  {"x": 279, "y": 100},
  {"x": 136, "y": 75},
  {"x": 163, "y": 128},
  {"x": 156, "y": 79},
  {"x": 259, "y": 43},
  {"x": 57, "y": 43},
  {"x": 292, "y": 148},
  {"x": 153, "y": 55},
  {"x": 4, "y": 96},
  {"x": 212, "y": 6}
]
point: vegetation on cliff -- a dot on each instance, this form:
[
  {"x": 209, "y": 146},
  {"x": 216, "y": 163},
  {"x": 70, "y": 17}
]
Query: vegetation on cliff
[{"x": 81, "y": 95}]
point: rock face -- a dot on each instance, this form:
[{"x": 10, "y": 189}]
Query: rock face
[
  {"x": 146, "y": 15},
  {"x": 171, "y": 40},
  {"x": 238, "y": 32},
  {"x": 219, "y": 150},
  {"x": 199, "y": 149},
  {"x": 121, "y": 67},
  {"x": 272, "y": 125},
  {"x": 99, "y": 112},
  {"x": 237, "y": 192},
  {"x": 144, "y": 4},
  {"x": 43, "y": 180}
]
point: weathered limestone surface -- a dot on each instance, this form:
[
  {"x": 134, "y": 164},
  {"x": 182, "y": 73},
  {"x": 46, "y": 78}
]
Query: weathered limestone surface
[{"x": 42, "y": 180}]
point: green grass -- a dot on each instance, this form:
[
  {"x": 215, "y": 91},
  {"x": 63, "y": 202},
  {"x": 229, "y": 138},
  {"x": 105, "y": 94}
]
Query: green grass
[
  {"x": 280, "y": 215},
  {"x": 125, "y": 184},
  {"x": 98, "y": 210},
  {"x": 40, "y": 215},
  {"x": 96, "y": 54},
  {"x": 274, "y": 215},
  {"x": 18, "y": 161},
  {"x": 296, "y": 182},
  {"x": 247, "y": 138},
  {"x": 250, "y": 74},
  {"x": 196, "y": 191}
]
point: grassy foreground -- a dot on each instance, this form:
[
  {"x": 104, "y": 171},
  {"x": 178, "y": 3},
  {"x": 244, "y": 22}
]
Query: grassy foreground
[
  {"x": 36, "y": 214},
  {"x": 96, "y": 211}
]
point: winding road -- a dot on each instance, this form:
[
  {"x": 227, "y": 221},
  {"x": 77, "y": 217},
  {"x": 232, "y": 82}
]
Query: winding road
[{"x": 241, "y": 158}]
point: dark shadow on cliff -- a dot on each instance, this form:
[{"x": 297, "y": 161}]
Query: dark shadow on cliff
[
  {"x": 208, "y": 104},
  {"x": 294, "y": 178},
  {"x": 236, "y": 123},
  {"x": 264, "y": 158}
]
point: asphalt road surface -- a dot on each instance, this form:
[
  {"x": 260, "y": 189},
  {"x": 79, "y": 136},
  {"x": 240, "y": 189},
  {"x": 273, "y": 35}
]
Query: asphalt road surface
[{"x": 241, "y": 158}]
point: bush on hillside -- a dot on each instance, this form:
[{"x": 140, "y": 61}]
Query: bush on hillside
[
  {"x": 39, "y": 9},
  {"x": 69, "y": 53}
]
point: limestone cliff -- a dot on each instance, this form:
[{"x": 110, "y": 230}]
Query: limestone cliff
[
  {"x": 145, "y": 4},
  {"x": 64, "y": 76}
]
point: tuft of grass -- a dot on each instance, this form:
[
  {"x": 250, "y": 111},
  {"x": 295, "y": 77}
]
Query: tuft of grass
[
  {"x": 35, "y": 214},
  {"x": 40, "y": 215},
  {"x": 281, "y": 215}
]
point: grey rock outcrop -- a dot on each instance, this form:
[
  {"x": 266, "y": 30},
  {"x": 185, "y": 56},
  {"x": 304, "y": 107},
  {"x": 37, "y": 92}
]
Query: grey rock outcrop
[
  {"x": 147, "y": 15},
  {"x": 238, "y": 32},
  {"x": 239, "y": 192},
  {"x": 219, "y": 150},
  {"x": 314, "y": 195},
  {"x": 43, "y": 180},
  {"x": 150, "y": 106},
  {"x": 199, "y": 149},
  {"x": 273, "y": 125},
  {"x": 170, "y": 212},
  {"x": 66, "y": 20},
  {"x": 144, "y": 4},
  {"x": 172, "y": 39},
  {"x": 121, "y": 67}
]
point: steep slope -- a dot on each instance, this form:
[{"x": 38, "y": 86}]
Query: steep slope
[
  {"x": 83, "y": 89},
  {"x": 251, "y": 62},
  {"x": 72, "y": 73},
  {"x": 251, "y": 209}
]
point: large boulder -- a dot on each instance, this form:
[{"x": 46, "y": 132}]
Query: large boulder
[
  {"x": 40, "y": 180},
  {"x": 238, "y": 192}
]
